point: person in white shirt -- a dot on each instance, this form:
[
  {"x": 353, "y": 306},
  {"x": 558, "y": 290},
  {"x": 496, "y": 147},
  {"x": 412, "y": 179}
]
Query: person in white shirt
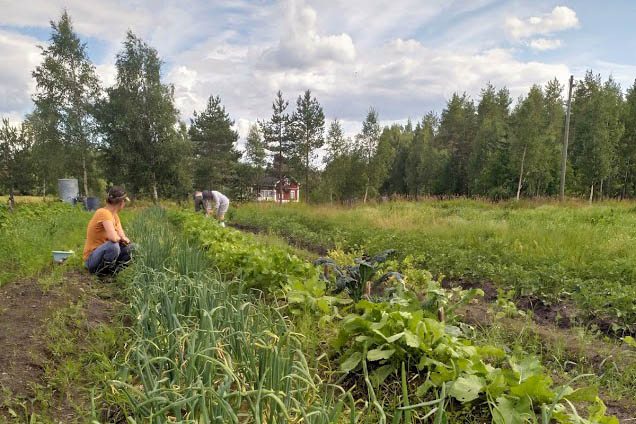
[{"x": 220, "y": 201}]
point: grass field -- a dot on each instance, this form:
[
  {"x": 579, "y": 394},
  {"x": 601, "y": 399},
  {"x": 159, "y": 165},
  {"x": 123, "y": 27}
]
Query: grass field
[{"x": 583, "y": 255}]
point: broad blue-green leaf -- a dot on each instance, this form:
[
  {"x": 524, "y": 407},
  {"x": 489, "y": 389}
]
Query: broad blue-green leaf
[
  {"x": 351, "y": 362},
  {"x": 467, "y": 388},
  {"x": 378, "y": 354}
]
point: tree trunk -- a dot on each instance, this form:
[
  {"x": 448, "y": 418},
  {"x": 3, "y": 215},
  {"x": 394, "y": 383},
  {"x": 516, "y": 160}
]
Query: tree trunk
[
  {"x": 85, "y": 175},
  {"x": 155, "y": 196},
  {"x": 307, "y": 177},
  {"x": 601, "y": 191},
  {"x": 366, "y": 192},
  {"x": 625, "y": 182},
  {"x": 591, "y": 193},
  {"x": 11, "y": 199},
  {"x": 523, "y": 159},
  {"x": 44, "y": 190}
]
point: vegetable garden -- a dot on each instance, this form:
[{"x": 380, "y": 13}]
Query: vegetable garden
[{"x": 223, "y": 327}]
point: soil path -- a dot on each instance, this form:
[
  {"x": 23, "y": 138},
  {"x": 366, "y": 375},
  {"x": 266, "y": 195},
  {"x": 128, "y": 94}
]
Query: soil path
[{"x": 26, "y": 312}]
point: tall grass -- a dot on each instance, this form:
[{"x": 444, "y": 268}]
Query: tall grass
[
  {"x": 28, "y": 234},
  {"x": 206, "y": 351},
  {"x": 584, "y": 254}
]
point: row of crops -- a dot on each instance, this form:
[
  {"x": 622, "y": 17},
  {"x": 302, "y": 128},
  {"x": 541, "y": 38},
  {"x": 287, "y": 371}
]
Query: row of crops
[
  {"x": 230, "y": 330},
  {"x": 583, "y": 257}
]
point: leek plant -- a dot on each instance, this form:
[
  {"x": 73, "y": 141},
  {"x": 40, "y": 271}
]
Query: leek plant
[{"x": 209, "y": 351}]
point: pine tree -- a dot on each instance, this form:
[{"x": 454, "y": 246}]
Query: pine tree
[
  {"x": 67, "y": 90},
  {"x": 215, "y": 155},
  {"x": 277, "y": 134},
  {"x": 308, "y": 128}
]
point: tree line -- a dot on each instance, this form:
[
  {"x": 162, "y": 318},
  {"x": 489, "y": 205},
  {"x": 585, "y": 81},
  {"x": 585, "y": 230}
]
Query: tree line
[{"x": 131, "y": 134}]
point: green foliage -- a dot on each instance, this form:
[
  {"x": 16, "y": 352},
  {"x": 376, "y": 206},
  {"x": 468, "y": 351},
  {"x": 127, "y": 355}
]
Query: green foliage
[
  {"x": 147, "y": 152},
  {"x": 390, "y": 334},
  {"x": 205, "y": 350},
  {"x": 580, "y": 255},
  {"x": 28, "y": 235},
  {"x": 67, "y": 91},
  {"x": 214, "y": 146},
  {"x": 403, "y": 332},
  {"x": 308, "y": 122}
]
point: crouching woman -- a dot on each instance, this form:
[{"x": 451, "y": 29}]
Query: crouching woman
[{"x": 107, "y": 249}]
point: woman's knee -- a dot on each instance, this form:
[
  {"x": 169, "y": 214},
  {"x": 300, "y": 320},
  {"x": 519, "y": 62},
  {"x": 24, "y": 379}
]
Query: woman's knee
[{"x": 112, "y": 251}]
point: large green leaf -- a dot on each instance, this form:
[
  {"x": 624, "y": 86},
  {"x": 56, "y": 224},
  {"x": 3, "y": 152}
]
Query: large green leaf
[
  {"x": 526, "y": 367},
  {"x": 584, "y": 394},
  {"x": 537, "y": 387},
  {"x": 378, "y": 354},
  {"x": 511, "y": 411},
  {"x": 351, "y": 362},
  {"x": 467, "y": 388}
]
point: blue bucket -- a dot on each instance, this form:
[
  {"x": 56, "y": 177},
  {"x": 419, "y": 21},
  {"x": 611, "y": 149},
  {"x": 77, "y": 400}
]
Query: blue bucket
[{"x": 91, "y": 204}]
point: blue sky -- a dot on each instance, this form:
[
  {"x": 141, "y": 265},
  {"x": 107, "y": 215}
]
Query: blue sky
[{"x": 404, "y": 58}]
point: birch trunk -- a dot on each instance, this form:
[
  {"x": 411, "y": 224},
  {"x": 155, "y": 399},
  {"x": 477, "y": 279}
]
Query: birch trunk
[
  {"x": 523, "y": 159},
  {"x": 591, "y": 193}
]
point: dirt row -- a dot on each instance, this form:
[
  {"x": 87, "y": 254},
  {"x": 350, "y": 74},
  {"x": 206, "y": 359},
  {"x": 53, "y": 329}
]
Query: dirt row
[{"x": 26, "y": 357}]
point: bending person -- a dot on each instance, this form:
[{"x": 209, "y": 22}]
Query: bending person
[
  {"x": 107, "y": 249},
  {"x": 221, "y": 204}
]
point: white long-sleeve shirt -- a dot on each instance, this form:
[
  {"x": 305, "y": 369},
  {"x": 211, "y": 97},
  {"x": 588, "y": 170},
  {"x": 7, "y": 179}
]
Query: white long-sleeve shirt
[{"x": 218, "y": 198}]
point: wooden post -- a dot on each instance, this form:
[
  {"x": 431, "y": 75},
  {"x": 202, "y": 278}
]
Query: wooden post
[{"x": 564, "y": 156}]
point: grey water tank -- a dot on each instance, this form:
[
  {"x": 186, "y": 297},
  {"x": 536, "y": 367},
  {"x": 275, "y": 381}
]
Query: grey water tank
[{"x": 69, "y": 189}]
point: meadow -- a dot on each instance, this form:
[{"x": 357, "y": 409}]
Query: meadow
[{"x": 578, "y": 255}]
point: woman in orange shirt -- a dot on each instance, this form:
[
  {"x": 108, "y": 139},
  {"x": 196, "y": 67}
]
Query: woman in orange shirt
[{"x": 107, "y": 249}]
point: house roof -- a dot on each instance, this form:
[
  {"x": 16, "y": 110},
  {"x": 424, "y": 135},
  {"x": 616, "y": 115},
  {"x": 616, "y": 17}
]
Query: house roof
[{"x": 270, "y": 181}]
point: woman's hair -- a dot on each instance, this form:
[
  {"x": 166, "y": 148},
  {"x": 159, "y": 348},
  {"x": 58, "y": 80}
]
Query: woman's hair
[{"x": 116, "y": 195}]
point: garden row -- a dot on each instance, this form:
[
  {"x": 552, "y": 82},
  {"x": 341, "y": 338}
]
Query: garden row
[
  {"x": 581, "y": 256},
  {"x": 271, "y": 338}
]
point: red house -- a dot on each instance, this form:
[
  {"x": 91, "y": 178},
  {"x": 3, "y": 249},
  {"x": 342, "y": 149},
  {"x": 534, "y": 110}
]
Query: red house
[{"x": 270, "y": 190}]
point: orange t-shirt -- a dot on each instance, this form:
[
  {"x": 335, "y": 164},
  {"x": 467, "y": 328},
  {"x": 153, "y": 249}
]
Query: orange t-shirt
[{"x": 96, "y": 233}]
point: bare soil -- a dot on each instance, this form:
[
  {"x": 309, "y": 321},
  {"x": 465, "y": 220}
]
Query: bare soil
[{"x": 25, "y": 311}]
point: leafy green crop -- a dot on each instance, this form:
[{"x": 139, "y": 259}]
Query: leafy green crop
[{"x": 400, "y": 333}]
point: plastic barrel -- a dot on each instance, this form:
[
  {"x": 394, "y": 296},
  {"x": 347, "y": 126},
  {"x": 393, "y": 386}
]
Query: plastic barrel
[
  {"x": 69, "y": 189},
  {"x": 91, "y": 204}
]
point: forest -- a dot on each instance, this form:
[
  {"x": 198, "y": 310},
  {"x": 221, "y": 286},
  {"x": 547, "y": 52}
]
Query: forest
[{"x": 132, "y": 134}]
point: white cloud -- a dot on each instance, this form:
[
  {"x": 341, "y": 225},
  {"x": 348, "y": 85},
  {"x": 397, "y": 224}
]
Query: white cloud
[
  {"x": 107, "y": 73},
  {"x": 559, "y": 19},
  {"x": 543, "y": 44},
  {"x": 19, "y": 57},
  {"x": 300, "y": 44}
]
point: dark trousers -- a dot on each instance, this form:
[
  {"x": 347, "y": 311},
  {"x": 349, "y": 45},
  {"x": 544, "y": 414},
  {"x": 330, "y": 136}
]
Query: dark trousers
[{"x": 109, "y": 258}]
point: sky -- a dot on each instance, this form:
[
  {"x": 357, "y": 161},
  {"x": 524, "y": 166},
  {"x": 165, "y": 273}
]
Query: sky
[{"x": 403, "y": 57}]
